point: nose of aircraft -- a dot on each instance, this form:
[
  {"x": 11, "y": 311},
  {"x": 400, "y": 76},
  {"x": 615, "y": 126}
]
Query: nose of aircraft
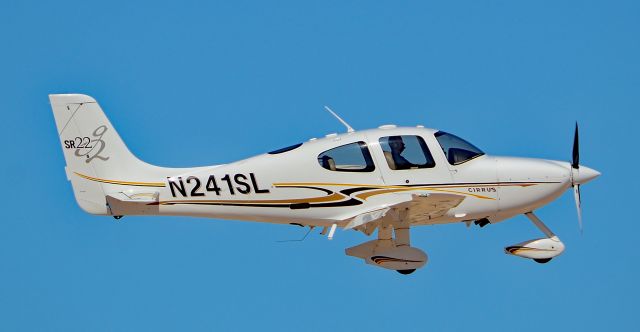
[
  {"x": 528, "y": 169},
  {"x": 584, "y": 174}
]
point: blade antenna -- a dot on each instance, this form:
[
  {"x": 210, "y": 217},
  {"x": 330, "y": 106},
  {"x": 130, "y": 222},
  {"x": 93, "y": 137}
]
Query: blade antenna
[{"x": 349, "y": 128}]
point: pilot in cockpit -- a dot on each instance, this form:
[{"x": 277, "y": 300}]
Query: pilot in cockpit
[{"x": 397, "y": 147}]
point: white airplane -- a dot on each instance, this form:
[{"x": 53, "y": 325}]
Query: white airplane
[{"x": 388, "y": 179}]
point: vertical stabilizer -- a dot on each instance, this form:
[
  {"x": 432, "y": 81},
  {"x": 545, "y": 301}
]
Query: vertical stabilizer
[{"x": 94, "y": 152}]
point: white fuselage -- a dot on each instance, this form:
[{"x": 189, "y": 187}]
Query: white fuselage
[{"x": 292, "y": 187}]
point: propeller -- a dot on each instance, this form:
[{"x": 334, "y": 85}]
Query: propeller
[
  {"x": 576, "y": 149},
  {"x": 575, "y": 172}
]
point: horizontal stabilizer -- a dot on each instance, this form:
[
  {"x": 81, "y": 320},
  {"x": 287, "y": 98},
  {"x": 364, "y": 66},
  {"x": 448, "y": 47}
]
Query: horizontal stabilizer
[{"x": 121, "y": 204}]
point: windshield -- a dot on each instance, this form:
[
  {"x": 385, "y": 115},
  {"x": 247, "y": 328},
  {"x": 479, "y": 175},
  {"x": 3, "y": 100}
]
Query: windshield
[{"x": 456, "y": 149}]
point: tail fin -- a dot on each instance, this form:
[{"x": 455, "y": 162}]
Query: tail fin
[{"x": 95, "y": 154}]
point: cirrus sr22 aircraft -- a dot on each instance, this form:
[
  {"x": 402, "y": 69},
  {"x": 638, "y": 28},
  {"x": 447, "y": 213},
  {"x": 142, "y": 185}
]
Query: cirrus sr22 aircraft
[{"x": 389, "y": 180}]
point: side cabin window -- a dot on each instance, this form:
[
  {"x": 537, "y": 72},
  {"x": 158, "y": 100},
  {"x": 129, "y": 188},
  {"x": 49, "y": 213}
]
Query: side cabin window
[
  {"x": 456, "y": 149},
  {"x": 354, "y": 157},
  {"x": 406, "y": 152}
]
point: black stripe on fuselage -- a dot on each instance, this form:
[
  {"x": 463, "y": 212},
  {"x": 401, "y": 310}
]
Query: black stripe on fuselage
[{"x": 349, "y": 202}]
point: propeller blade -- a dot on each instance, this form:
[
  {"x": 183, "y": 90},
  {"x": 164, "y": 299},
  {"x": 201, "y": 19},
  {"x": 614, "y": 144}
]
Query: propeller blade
[
  {"x": 576, "y": 196},
  {"x": 576, "y": 150}
]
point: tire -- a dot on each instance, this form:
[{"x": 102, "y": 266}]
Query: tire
[{"x": 542, "y": 260}]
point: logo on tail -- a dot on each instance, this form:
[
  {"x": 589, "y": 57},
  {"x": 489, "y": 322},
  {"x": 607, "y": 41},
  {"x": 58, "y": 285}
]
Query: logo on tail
[{"x": 85, "y": 146}]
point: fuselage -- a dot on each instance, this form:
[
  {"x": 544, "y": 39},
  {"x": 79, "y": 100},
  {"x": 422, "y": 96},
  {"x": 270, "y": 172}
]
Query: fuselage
[{"x": 332, "y": 178}]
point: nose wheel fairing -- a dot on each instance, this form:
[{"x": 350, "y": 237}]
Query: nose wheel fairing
[{"x": 540, "y": 250}]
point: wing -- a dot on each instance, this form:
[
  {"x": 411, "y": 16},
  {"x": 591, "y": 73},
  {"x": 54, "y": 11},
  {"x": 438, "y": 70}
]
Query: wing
[{"x": 421, "y": 208}]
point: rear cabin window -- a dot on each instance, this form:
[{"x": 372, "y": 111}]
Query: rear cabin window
[
  {"x": 406, "y": 152},
  {"x": 354, "y": 157}
]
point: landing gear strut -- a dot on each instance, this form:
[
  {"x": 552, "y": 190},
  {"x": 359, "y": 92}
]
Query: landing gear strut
[{"x": 392, "y": 250}]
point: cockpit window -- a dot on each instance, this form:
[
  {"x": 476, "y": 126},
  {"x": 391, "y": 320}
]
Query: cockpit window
[
  {"x": 406, "y": 152},
  {"x": 288, "y": 148},
  {"x": 354, "y": 157},
  {"x": 456, "y": 149}
]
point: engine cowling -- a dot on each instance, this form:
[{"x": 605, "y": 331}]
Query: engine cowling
[{"x": 545, "y": 248}]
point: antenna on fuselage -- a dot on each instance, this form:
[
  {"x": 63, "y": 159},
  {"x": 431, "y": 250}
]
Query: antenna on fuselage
[
  {"x": 303, "y": 238},
  {"x": 349, "y": 128}
]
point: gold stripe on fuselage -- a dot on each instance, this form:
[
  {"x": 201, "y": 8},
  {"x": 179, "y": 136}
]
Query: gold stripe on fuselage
[
  {"x": 377, "y": 186},
  {"x": 122, "y": 183},
  {"x": 334, "y": 197},
  {"x": 366, "y": 195},
  {"x": 400, "y": 188}
]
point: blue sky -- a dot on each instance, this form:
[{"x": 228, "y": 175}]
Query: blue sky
[{"x": 200, "y": 82}]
